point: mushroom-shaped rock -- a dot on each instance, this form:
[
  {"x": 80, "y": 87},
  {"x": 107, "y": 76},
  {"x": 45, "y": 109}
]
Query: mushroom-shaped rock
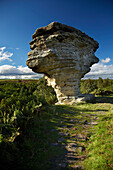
[{"x": 64, "y": 55}]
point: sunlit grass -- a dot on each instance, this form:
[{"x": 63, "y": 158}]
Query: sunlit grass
[{"x": 100, "y": 149}]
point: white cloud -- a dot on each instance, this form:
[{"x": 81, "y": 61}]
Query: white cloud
[
  {"x": 107, "y": 60},
  {"x": 13, "y": 72},
  {"x": 101, "y": 70},
  {"x": 2, "y": 48},
  {"x": 17, "y": 48},
  {"x": 8, "y": 69},
  {"x": 25, "y": 70},
  {"x": 5, "y": 55}
]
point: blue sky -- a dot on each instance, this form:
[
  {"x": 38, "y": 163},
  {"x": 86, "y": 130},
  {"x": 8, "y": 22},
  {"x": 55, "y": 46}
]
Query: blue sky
[{"x": 20, "y": 18}]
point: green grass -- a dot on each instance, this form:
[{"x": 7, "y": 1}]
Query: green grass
[
  {"x": 29, "y": 134},
  {"x": 100, "y": 149},
  {"x": 36, "y": 150}
]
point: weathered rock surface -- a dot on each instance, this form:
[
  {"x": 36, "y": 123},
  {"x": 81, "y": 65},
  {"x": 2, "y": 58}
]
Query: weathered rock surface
[{"x": 64, "y": 55}]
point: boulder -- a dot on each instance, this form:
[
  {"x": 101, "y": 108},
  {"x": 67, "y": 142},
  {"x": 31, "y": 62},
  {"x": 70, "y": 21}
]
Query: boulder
[{"x": 64, "y": 55}]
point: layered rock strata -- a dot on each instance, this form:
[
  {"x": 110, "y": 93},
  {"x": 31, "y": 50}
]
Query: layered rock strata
[{"x": 64, "y": 55}]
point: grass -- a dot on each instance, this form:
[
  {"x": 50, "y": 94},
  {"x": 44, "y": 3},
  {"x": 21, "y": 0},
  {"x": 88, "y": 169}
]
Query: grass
[
  {"x": 39, "y": 149},
  {"x": 100, "y": 149},
  {"x": 42, "y": 140},
  {"x": 55, "y": 119}
]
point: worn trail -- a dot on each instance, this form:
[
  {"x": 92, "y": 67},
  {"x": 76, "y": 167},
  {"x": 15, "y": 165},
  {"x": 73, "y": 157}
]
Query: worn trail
[{"x": 74, "y": 130}]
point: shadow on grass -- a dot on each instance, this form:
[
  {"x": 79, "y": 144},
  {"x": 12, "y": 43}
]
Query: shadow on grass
[{"x": 104, "y": 99}]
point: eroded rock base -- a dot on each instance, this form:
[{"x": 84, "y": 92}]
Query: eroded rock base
[{"x": 83, "y": 98}]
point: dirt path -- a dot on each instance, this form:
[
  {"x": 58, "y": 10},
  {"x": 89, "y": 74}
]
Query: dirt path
[{"x": 74, "y": 131}]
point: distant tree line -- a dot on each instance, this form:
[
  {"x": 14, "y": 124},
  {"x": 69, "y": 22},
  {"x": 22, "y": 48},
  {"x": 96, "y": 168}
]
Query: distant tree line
[{"x": 97, "y": 87}]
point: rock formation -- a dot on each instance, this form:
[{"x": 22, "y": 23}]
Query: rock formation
[{"x": 64, "y": 55}]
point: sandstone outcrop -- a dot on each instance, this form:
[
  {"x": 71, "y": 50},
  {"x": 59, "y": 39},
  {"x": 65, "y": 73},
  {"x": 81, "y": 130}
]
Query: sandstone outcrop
[{"x": 64, "y": 55}]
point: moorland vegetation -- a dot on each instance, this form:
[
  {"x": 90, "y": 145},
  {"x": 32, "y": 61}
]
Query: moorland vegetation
[{"x": 28, "y": 119}]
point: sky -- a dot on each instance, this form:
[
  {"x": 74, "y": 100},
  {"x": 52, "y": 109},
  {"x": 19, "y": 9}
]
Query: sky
[{"x": 20, "y": 18}]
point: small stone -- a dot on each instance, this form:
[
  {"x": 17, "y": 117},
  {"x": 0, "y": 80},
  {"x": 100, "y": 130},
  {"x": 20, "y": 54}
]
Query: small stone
[
  {"x": 72, "y": 147},
  {"x": 93, "y": 123},
  {"x": 81, "y": 157},
  {"x": 81, "y": 137},
  {"x": 71, "y": 158}
]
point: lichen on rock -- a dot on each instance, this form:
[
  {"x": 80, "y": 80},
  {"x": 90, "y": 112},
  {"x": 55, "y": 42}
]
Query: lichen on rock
[{"x": 64, "y": 55}]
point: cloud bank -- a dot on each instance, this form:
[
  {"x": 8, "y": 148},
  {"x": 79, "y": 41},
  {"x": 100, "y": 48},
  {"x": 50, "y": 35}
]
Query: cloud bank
[
  {"x": 13, "y": 72},
  {"x": 101, "y": 70}
]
